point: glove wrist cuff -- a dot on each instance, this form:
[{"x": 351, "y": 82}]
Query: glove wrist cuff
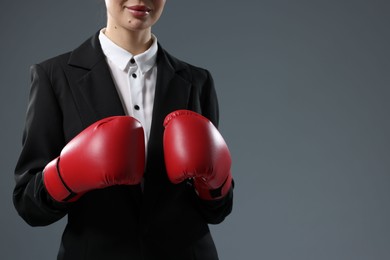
[
  {"x": 207, "y": 193},
  {"x": 54, "y": 184}
]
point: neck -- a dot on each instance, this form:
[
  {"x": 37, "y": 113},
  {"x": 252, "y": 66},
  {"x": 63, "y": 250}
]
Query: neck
[{"x": 135, "y": 42}]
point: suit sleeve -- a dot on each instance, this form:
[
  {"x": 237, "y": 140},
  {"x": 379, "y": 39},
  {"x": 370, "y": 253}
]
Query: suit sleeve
[
  {"x": 42, "y": 141},
  {"x": 214, "y": 211}
]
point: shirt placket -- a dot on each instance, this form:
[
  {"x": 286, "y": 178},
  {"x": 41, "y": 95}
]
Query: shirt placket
[{"x": 136, "y": 86}]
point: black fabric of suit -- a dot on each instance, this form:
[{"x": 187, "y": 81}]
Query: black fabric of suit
[{"x": 163, "y": 221}]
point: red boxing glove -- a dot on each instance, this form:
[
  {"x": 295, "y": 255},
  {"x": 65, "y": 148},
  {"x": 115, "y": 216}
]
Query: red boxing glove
[
  {"x": 109, "y": 152},
  {"x": 193, "y": 148}
]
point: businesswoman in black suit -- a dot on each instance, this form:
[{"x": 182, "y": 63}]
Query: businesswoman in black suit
[{"x": 121, "y": 70}]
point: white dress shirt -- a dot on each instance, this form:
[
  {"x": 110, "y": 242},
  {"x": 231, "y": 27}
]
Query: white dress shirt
[{"x": 135, "y": 79}]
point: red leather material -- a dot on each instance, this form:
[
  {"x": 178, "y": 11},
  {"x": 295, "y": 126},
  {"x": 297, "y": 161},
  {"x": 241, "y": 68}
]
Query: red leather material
[
  {"x": 109, "y": 152},
  {"x": 194, "y": 148}
]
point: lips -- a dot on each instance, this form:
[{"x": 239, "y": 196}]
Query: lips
[{"x": 139, "y": 10}]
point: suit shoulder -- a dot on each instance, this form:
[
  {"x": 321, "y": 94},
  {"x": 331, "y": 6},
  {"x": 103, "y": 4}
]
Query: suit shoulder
[
  {"x": 51, "y": 68},
  {"x": 58, "y": 60}
]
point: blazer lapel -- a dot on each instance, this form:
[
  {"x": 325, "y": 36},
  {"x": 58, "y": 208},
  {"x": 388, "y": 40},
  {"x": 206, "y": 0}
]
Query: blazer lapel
[
  {"x": 96, "y": 96},
  {"x": 172, "y": 93},
  {"x": 91, "y": 83}
]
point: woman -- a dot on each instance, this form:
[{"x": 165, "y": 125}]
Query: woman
[{"x": 93, "y": 115}]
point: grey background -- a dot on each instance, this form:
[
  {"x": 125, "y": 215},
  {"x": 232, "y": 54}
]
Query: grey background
[{"x": 304, "y": 98}]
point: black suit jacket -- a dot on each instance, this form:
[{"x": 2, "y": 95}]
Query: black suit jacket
[{"x": 164, "y": 221}]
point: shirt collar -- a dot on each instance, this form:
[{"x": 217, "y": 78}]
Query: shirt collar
[{"x": 122, "y": 58}]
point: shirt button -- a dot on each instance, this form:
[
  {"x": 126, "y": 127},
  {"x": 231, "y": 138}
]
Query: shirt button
[
  {"x": 132, "y": 61},
  {"x": 134, "y": 75},
  {"x": 136, "y": 107}
]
